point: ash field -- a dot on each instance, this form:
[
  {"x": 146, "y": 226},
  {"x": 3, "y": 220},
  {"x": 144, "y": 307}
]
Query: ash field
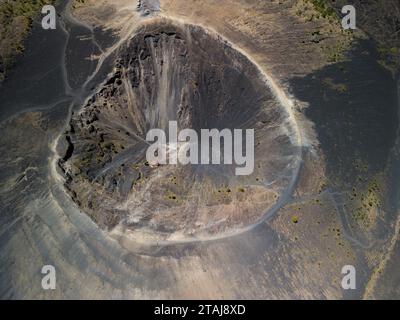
[{"x": 77, "y": 192}]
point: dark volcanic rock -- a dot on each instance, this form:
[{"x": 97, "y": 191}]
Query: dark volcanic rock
[{"x": 177, "y": 73}]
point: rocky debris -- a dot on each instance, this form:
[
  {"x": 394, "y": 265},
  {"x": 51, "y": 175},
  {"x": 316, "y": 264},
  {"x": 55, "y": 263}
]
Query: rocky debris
[{"x": 169, "y": 73}]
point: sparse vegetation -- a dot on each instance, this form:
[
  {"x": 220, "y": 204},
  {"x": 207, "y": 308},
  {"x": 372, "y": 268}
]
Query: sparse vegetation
[
  {"x": 16, "y": 18},
  {"x": 338, "y": 87},
  {"x": 368, "y": 203},
  {"x": 324, "y": 8},
  {"x": 332, "y": 40},
  {"x": 389, "y": 58}
]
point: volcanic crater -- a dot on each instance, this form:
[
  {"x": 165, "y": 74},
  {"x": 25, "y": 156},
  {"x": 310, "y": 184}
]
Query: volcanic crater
[{"x": 166, "y": 72}]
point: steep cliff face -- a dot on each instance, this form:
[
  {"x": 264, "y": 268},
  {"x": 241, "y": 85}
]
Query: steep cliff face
[{"x": 177, "y": 73}]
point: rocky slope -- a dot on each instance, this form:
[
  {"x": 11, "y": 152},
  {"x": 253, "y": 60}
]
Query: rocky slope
[{"x": 170, "y": 72}]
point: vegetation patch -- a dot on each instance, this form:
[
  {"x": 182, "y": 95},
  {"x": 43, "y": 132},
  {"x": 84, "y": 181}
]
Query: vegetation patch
[{"x": 16, "y": 17}]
